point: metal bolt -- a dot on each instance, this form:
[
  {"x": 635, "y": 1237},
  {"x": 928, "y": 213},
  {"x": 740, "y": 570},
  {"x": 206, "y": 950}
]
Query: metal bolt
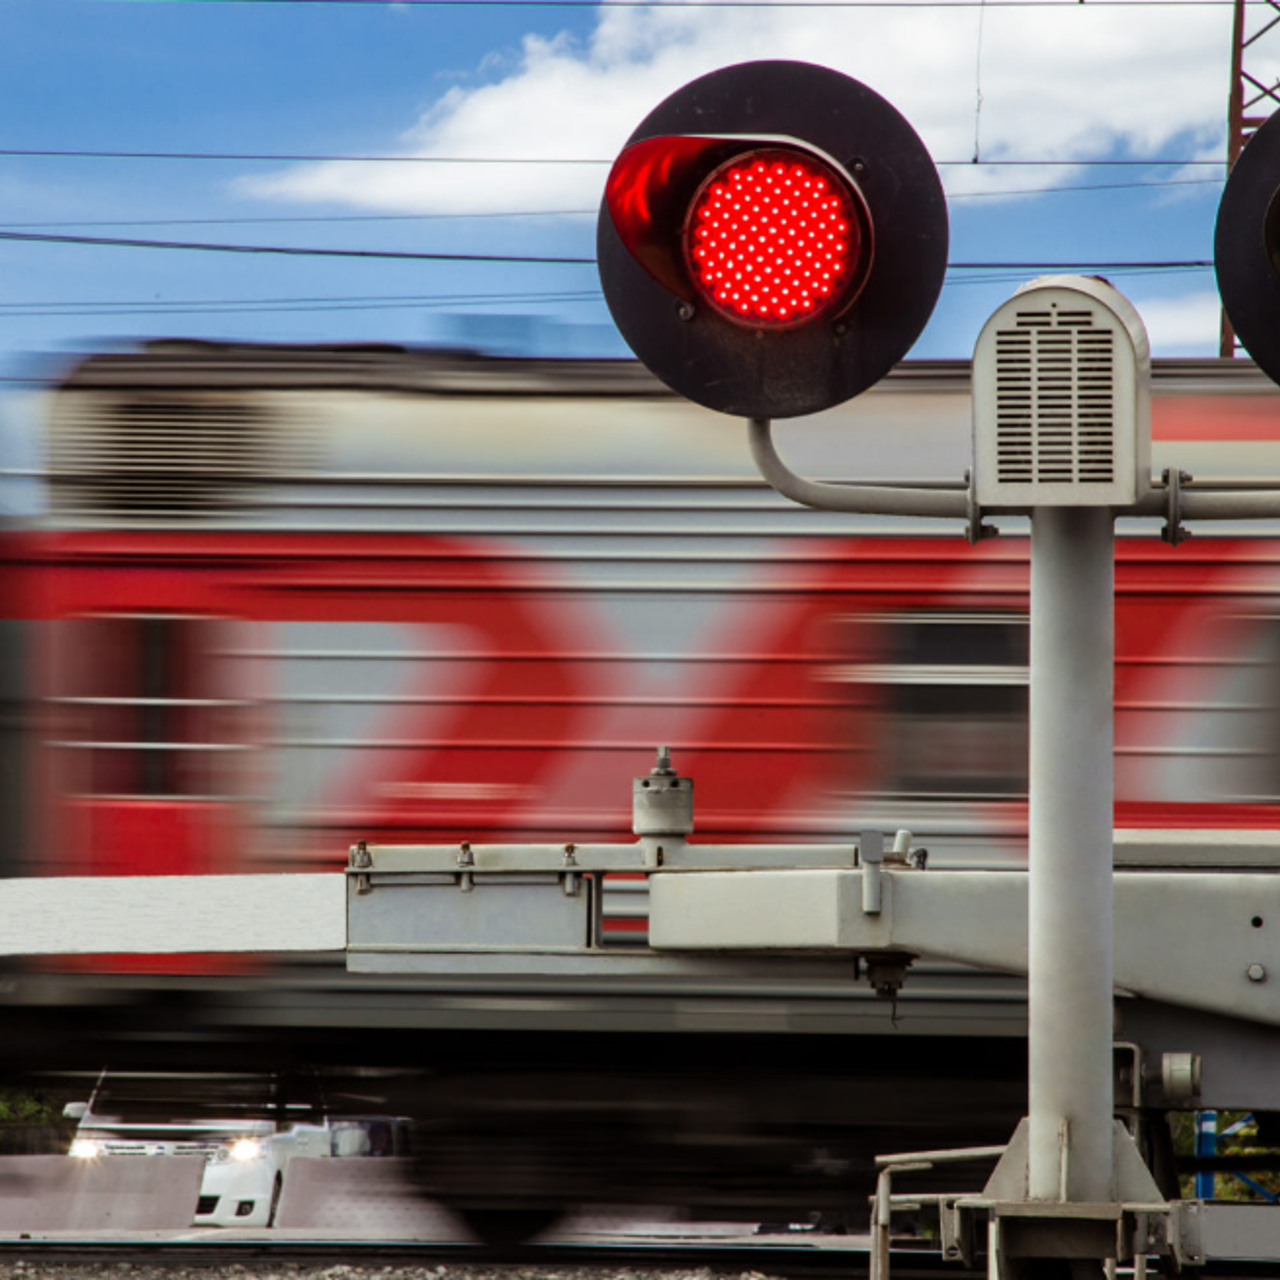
[
  {"x": 466, "y": 881},
  {"x": 1256, "y": 972},
  {"x": 360, "y": 859},
  {"x": 569, "y": 851},
  {"x": 684, "y": 311}
]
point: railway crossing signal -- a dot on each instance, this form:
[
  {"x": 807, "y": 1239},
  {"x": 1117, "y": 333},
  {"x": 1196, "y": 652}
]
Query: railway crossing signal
[
  {"x": 1246, "y": 248},
  {"x": 772, "y": 239}
]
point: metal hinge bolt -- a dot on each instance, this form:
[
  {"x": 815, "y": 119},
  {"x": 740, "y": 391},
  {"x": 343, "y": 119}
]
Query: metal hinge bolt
[{"x": 360, "y": 858}]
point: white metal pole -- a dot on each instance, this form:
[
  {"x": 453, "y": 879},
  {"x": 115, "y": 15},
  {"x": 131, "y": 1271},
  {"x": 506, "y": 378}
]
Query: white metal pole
[{"x": 1070, "y": 860}]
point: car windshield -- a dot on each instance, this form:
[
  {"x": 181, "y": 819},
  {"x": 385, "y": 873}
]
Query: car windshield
[
  {"x": 369, "y": 1136},
  {"x": 203, "y": 1104}
]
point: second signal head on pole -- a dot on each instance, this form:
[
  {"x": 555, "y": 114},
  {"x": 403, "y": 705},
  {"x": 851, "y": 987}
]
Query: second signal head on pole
[
  {"x": 1246, "y": 247},
  {"x": 772, "y": 240}
]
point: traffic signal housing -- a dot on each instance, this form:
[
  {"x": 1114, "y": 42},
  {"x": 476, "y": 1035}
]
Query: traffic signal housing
[
  {"x": 1246, "y": 247},
  {"x": 772, "y": 239}
]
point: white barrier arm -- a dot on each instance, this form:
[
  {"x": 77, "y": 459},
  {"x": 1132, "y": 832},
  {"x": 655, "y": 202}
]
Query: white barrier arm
[{"x": 148, "y": 915}]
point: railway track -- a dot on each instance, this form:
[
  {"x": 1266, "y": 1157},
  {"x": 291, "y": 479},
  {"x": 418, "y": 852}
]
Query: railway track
[{"x": 783, "y": 1258}]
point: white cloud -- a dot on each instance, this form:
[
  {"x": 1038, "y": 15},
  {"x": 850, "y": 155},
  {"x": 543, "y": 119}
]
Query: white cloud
[
  {"x": 1179, "y": 325},
  {"x": 1064, "y": 83}
]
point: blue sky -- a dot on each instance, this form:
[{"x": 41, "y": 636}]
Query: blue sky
[{"x": 1077, "y": 84}]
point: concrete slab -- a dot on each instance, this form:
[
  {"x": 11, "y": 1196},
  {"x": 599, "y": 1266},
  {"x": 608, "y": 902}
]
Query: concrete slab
[
  {"x": 373, "y": 1196},
  {"x": 50, "y": 1193}
]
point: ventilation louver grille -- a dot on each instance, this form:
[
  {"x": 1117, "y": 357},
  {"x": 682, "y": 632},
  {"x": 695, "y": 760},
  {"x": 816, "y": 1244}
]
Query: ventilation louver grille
[
  {"x": 1055, "y": 399},
  {"x": 1062, "y": 399},
  {"x": 161, "y": 457}
]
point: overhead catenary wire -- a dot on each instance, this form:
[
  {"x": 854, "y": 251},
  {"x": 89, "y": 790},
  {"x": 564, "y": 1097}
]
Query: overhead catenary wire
[
  {"x": 342, "y": 218},
  {"x": 88, "y": 308},
  {"x": 742, "y": 4},
  {"x": 267, "y": 219},
  {"x": 193, "y": 246},
  {"x": 28, "y": 237},
  {"x": 406, "y": 299},
  {"x": 267, "y": 306},
  {"x": 397, "y": 301},
  {"x": 281, "y": 157}
]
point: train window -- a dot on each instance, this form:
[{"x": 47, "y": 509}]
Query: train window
[
  {"x": 1198, "y": 707},
  {"x": 139, "y": 707},
  {"x": 943, "y": 703}
]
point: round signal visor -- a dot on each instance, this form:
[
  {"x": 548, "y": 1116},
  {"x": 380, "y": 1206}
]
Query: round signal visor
[{"x": 775, "y": 238}]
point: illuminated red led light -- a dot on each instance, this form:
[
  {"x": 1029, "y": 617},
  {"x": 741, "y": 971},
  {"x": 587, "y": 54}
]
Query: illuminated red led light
[{"x": 774, "y": 239}]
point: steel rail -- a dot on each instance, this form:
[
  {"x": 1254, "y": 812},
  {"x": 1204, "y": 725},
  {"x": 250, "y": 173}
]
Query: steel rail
[{"x": 790, "y": 1254}]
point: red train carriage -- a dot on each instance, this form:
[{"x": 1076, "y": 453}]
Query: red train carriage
[{"x": 285, "y": 598}]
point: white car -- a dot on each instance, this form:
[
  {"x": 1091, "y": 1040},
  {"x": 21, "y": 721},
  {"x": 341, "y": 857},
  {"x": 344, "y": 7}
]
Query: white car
[{"x": 245, "y": 1160}]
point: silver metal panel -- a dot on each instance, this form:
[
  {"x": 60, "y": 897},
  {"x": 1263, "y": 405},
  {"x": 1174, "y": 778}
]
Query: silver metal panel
[
  {"x": 1240, "y": 1231},
  {"x": 1217, "y": 849},
  {"x": 1204, "y": 941},
  {"x": 569, "y": 962},
  {"x": 511, "y": 911},
  {"x": 1240, "y": 1060},
  {"x": 395, "y": 860}
]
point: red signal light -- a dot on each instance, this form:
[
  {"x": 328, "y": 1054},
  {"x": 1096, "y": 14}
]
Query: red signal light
[
  {"x": 776, "y": 238},
  {"x": 772, "y": 239}
]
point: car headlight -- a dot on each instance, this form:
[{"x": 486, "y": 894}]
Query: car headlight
[
  {"x": 83, "y": 1148},
  {"x": 246, "y": 1149}
]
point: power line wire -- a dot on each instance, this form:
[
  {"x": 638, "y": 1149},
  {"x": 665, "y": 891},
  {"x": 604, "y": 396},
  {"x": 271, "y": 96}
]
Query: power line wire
[
  {"x": 31, "y": 153},
  {"x": 1082, "y": 264},
  {"x": 752, "y": 4},
  {"x": 547, "y": 260},
  {"x": 1086, "y": 186},
  {"x": 326, "y": 302},
  {"x": 280, "y": 157},
  {"x": 24, "y": 311},
  {"x": 29, "y": 237},
  {"x": 338, "y": 219},
  {"x": 470, "y": 295},
  {"x": 1004, "y": 275}
]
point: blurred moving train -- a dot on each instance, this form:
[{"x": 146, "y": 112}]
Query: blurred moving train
[
  {"x": 279, "y": 599},
  {"x": 284, "y": 598}
]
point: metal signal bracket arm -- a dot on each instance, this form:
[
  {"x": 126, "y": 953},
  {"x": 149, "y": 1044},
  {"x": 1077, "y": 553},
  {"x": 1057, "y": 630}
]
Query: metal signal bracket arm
[
  {"x": 954, "y": 502},
  {"x": 538, "y": 908},
  {"x": 1174, "y": 497}
]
